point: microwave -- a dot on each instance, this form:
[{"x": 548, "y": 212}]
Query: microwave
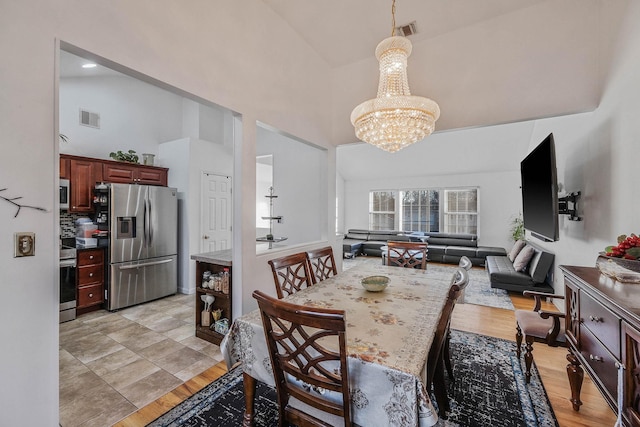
[{"x": 64, "y": 194}]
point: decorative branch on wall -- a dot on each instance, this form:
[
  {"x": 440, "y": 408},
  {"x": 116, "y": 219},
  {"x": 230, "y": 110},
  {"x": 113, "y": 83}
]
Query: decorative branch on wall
[{"x": 18, "y": 205}]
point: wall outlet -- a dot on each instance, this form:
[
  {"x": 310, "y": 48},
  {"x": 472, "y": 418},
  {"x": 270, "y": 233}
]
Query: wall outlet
[{"x": 24, "y": 244}]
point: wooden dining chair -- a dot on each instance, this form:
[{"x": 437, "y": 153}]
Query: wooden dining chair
[
  {"x": 307, "y": 348},
  {"x": 538, "y": 325},
  {"x": 291, "y": 273},
  {"x": 322, "y": 264},
  {"x": 461, "y": 279},
  {"x": 435, "y": 368},
  {"x": 407, "y": 254}
]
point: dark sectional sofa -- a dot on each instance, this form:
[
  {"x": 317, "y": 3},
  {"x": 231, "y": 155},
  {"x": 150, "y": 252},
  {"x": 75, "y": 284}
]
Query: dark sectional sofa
[
  {"x": 535, "y": 277},
  {"x": 442, "y": 247}
]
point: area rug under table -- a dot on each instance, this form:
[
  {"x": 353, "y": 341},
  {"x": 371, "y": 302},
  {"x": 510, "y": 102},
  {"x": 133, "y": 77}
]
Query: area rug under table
[{"x": 489, "y": 390}]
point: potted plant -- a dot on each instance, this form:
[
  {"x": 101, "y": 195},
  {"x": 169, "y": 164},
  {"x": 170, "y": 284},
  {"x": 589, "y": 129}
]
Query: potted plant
[
  {"x": 130, "y": 156},
  {"x": 517, "y": 228}
]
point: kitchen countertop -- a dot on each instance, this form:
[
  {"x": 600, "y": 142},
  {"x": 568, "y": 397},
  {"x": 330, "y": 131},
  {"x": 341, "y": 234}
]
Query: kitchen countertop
[{"x": 218, "y": 257}]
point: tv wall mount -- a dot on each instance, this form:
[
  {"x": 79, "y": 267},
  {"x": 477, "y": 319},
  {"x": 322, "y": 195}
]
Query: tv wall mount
[{"x": 567, "y": 205}]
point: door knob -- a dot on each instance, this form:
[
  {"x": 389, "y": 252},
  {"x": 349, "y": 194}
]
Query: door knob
[{"x": 205, "y": 237}]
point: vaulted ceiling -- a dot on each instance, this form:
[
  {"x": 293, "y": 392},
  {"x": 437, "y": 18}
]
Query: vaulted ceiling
[{"x": 484, "y": 62}]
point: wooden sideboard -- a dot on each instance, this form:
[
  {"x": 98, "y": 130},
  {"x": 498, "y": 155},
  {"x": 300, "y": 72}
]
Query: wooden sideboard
[{"x": 603, "y": 332}]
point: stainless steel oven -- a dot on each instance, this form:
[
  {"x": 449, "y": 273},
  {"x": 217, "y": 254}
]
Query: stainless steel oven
[{"x": 67, "y": 284}]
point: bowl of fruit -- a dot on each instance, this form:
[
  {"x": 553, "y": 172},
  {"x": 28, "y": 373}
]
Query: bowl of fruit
[{"x": 626, "y": 253}]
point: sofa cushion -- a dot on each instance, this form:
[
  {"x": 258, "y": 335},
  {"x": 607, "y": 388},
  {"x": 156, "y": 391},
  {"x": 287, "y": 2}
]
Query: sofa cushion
[
  {"x": 522, "y": 260},
  {"x": 460, "y": 251},
  {"x": 382, "y": 235},
  {"x": 357, "y": 234},
  {"x": 540, "y": 265},
  {"x": 452, "y": 241},
  {"x": 501, "y": 271},
  {"x": 515, "y": 250},
  {"x": 485, "y": 251}
]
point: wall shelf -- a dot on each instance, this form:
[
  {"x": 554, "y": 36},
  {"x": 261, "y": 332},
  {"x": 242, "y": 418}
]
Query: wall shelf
[{"x": 269, "y": 238}]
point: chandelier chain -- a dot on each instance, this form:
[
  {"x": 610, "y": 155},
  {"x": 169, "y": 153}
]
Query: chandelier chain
[{"x": 393, "y": 18}]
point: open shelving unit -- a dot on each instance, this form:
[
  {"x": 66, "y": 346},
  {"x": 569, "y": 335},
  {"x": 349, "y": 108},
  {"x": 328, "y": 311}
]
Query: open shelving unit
[{"x": 269, "y": 238}]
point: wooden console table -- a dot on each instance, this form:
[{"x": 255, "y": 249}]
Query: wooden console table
[{"x": 603, "y": 331}]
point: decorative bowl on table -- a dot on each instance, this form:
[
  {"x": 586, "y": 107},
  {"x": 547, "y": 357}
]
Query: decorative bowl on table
[
  {"x": 375, "y": 283},
  {"x": 623, "y": 270}
]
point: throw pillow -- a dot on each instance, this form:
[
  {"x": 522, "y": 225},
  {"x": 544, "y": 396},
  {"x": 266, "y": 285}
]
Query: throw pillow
[
  {"x": 515, "y": 250},
  {"x": 523, "y": 258}
]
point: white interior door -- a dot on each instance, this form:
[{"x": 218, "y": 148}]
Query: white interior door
[{"x": 215, "y": 230}]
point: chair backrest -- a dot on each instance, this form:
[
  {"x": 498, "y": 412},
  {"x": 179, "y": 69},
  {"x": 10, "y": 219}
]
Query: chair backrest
[
  {"x": 407, "y": 254},
  {"x": 291, "y": 273},
  {"x": 442, "y": 330},
  {"x": 322, "y": 264},
  {"x": 465, "y": 263},
  {"x": 460, "y": 278},
  {"x": 307, "y": 347}
]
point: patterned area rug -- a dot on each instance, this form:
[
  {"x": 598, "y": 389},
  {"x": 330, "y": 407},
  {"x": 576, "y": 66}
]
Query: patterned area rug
[
  {"x": 478, "y": 291},
  {"x": 489, "y": 390}
]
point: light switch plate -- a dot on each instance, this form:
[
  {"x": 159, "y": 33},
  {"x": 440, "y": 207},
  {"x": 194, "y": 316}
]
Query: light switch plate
[{"x": 24, "y": 244}]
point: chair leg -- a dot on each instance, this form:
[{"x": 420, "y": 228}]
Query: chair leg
[
  {"x": 528, "y": 358},
  {"x": 439, "y": 389},
  {"x": 447, "y": 357},
  {"x": 518, "y": 340}
]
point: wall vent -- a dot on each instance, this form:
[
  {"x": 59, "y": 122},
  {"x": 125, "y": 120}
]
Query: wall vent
[
  {"x": 87, "y": 118},
  {"x": 407, "y": 30}
]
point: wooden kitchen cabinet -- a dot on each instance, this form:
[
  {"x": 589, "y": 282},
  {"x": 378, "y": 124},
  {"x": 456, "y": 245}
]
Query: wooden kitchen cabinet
[
  {"x": 134, "y": 174},
  {"x": 90, "y": 279},
  {"x": 65, "y": 167},
  {"x": 83, "y": 175}
]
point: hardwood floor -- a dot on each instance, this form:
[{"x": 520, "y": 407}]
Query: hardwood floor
[{"x": 551, "y": 363}]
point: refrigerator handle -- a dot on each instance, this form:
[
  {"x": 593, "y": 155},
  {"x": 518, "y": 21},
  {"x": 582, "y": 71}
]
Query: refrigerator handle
[
  {"x": 146, "y": 227},
  {"x": 146, "y": 264},
  {"x": 151, "y": 224}
]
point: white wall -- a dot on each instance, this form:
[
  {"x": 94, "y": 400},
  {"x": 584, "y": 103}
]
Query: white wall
[
  {"x": 133, "y": 116},
  {"x": 299, "y": 181},
  {"x": 596, "y": 153},
  {"x": 189, "y": 158},
  {"x": 268, "y": 74}
]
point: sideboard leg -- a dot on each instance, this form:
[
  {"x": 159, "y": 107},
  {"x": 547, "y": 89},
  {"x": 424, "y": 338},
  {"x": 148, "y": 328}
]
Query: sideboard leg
[
  {"x": 576, "y": 376},
  {"x": 249, "y": 394}
]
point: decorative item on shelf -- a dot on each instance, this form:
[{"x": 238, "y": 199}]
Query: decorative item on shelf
[
  {"x": 217, "y": 314},
  {"x": 147, "y": 159},
  {"x": 129, "y": 157},
  {"x": 205, "y": 318},
  {"x": 221, "y": 326},
  {"x": 394, "y": 119}
]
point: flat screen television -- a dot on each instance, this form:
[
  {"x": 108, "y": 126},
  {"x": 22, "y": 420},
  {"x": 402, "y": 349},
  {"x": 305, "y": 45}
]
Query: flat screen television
[{"x": 540, "y": 191}]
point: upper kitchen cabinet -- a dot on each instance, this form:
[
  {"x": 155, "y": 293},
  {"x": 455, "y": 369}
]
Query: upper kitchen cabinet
[
  {"x": 134, "y": 174},
  {"x": 83, "y": 175},
  {"x": 65, "y": 165}
]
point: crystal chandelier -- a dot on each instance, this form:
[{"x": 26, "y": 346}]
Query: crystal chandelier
[{"x": 395, "y": 118}]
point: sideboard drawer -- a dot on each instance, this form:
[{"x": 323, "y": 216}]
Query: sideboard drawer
[
  {"x": 601, "y": 362},
  {"x": 603, "y": 323}
]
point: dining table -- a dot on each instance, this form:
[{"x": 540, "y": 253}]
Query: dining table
[{"x": 389, "y": 334}]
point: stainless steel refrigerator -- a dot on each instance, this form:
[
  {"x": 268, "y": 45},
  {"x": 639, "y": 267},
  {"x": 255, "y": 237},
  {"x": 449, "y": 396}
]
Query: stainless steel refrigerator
[{"x": 143, "y": 244}]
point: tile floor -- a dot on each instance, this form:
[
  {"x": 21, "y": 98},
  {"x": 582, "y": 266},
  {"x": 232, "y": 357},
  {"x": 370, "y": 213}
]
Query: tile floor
[{"x": 112, "y": 364}]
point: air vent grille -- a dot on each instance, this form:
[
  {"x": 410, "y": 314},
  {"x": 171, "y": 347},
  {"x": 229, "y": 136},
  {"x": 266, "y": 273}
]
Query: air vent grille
[
  {"x": 87, "y": 118},
  {"x": 407, "y": 30}
]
